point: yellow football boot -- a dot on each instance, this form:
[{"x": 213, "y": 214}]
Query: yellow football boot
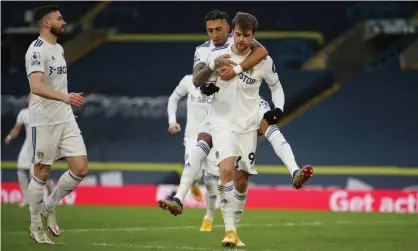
[
  {"x": 230, "y": 239},
  {"x": 206, "y": 226}
]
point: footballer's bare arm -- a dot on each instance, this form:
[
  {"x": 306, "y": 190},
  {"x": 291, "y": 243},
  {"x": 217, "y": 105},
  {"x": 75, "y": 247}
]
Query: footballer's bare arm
[
  {"x": 258, "y": 53},
  {"x": 38, "y": 87},
  {"x": 201, "y": 74}
]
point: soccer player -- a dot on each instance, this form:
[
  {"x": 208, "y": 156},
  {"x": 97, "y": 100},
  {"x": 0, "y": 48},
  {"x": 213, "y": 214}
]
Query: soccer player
[
  {"x": 55, "y": 132},
  {"x": 204, "y": 75},
  {"x": 197, "y": 105},
  {"x": 24, "y": 159},
  {"x": 234, "y": 122}
]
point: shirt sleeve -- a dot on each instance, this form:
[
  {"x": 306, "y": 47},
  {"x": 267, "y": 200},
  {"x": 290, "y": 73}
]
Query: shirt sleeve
[
  {"x": 201, "y": 55},
  {"x": 178, "y": 93},
  {"x": 19, "y": 119},
  {"x": 35, "y": 60},
  {"x": 273, "y": 81}
]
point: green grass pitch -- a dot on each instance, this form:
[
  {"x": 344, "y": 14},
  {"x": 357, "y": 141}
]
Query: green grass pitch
[{"x": 137, "y": 228}]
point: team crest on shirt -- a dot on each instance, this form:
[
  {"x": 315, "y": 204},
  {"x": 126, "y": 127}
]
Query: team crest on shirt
[
  {"x": 217, "y": 154},
  {"x": 40, "y": 155}
]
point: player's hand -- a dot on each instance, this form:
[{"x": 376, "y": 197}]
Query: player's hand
[
  {"x": 226, "y": 72},
  {"x": 223, "y": 60},
  {"x": 75, "y": 99},
  {"x": 174, "y": 128},
  {"x": 273, "y": 116},
  {"x": 209, "y": 88},
  {"x": 7, "y": 140}
]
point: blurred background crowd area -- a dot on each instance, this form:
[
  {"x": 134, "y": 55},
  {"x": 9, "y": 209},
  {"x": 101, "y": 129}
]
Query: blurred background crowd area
[{"x": 349, "y": 71}]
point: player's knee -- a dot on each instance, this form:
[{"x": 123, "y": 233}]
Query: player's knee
[
  {"x": 81, "y": 170},
  {"x": 241, "y": 181},
  {"x": 41, "y": 171},
  {"x": 226, "y": 169},
  {"x": 205, "y": 137},
  {"x": 211, "y": 186},
  {"x": 78, "y": 165}
]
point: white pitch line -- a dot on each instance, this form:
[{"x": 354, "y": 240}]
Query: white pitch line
[
  {"x": 161, "y": 228},
  {"x": 157, "y": 247},
  {"x": 134, "y": 229},
  {"x": 119, "y": 245}
]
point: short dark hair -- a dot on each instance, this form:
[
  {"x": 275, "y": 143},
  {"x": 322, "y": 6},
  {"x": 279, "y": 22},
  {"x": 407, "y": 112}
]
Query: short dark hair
[
  {"x": 215, "y": 15},
  {"x": 43, "y": 11},
  {"x": 245, "y": 21}
]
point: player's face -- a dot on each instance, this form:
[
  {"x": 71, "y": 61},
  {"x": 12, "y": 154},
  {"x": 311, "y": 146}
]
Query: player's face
[
  {"x": 242, "y": 39},
  {"x": 56, "y": 23},
  {"x": 217, "y": 31}
]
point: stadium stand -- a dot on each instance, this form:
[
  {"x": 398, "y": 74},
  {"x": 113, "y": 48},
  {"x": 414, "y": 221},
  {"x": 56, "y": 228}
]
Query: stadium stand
[{"x": 127, "y": 79}]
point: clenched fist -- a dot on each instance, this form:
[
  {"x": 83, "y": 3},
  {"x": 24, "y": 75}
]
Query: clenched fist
[{"x": 174, "y": 128}]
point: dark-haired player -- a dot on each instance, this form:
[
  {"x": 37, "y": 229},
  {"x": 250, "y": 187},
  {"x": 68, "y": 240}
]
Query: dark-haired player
[
  {"x": 55, "y": 133},
  {"x": 205, "y": 74}
]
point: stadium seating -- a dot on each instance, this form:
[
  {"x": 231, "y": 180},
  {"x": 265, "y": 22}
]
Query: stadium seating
[
  {"x": 14, "y": 14},
  {"x": 148, "y": 70},
  {"x": 371, "y": 121}
]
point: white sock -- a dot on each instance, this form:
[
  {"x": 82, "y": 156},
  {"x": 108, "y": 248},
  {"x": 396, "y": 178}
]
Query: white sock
[
  {"x": 192, "y": 169},
  {"x": 66, "y": 184},
  {"x": 36, "y": 197},
  {"x": 210, "y": 196},
  {"x": 198, "y": 178},
  {"x": 282, "y": 148},
  {"x": 50, "y": 186},
  {"x": 23, "y": 179},
  {"x": 226, "y": 192},
  {"x": 239, "y": 204}
]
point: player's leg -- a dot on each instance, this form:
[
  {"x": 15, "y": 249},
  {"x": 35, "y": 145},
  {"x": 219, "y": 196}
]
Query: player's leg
[
  {"x": 244, "y": 167},
  {"x": 285, "y": 153},
  {"x": 44, "y": 142},
  {"x": 226, "y": 152},
  {"x": 50, "y": 186},
  {"x": 49, "y": 183},
  {"x": 23, "y": 179},
  {"x": 23, "y": 174},
  {"x": 241, "y": 179},
  {"x": 211, "y": 183},
  {"x": 73, "y": 149},
  {"x": 226, "y": 194},
  {"x": 190, "y": 171},
  {"x": 198, "y": 154},
  {"x": 195, "y": 187}
]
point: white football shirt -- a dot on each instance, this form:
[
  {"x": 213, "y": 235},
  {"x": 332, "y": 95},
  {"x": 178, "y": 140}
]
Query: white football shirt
[
  {"x": 197, "y": 106},
  {"x": 23, "y": 119},
  {"x": 237, "y": 103},
  {"x": 202, "y": 52},
  {"x": 48, "y": 59}
]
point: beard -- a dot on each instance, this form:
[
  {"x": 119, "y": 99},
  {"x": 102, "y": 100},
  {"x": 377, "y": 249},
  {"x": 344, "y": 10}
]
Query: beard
[
  {"x": 57, "y": 31},
  {"x": 242, "y": 47}
]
